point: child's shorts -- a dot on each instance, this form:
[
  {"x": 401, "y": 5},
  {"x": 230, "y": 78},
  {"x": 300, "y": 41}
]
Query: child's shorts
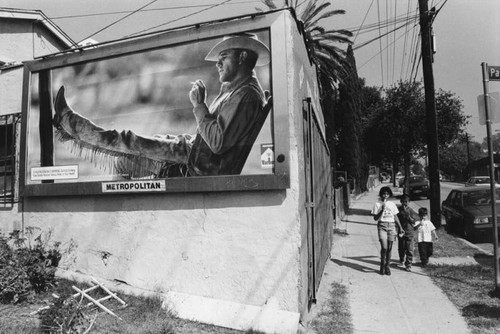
[{"x": 387, "y": 231}]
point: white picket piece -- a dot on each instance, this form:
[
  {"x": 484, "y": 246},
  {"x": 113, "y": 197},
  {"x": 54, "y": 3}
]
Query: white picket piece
[{"x": 98, "y": 302}]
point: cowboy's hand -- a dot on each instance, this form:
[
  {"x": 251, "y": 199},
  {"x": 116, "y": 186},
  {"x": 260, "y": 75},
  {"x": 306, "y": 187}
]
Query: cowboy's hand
[{"x": 197, "y": 93}]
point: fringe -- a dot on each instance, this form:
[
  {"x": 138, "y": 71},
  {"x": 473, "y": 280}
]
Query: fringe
[{"x": 128, "y": 165}]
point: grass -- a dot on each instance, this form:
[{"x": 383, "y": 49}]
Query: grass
[
  {"x": 335, "y": 316},
  {"x": 469, "y": 287},
  {"x": 450, "y": 246},
  {"x": 142, "y": 315}
]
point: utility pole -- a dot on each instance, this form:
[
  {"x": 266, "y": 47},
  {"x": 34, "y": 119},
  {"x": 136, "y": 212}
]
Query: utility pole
[
  {"x": 430, "y": 112},
  {"x": 468, "y": 151}
]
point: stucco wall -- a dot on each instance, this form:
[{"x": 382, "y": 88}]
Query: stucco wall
[
  {"x": 11, "y": 84},
  {"x": 25, "y": 40},
  {"x": 243, "y": 247},
  {"x": 246, "y": 247},
  {"x": 240, "y": 247},
  {"x": 20, "y": 40}
]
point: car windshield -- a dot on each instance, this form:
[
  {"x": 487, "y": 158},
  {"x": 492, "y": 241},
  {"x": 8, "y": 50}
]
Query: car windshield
[
  {"x": 414, "y": 179},
  {"x": 480, "y": 198},
  {"x": 482, "y": 180}
]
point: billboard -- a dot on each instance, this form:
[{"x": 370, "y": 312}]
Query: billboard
[{"x": 200, "y": 108}]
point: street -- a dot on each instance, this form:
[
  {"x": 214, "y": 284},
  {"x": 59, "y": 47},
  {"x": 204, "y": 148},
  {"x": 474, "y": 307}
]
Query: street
[{"x": 446, "y": 187}]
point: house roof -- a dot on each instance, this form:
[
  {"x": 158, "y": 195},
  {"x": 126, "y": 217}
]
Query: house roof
[{"x": 39, "y": 17}]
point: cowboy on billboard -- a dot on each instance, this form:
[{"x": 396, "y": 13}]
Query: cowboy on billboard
[{"x": 226, "y": 130}]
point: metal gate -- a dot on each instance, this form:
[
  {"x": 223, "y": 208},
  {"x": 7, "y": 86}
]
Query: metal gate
[
  {"x": 9, "y": 132},
  {"x": 318, "y": 199}
]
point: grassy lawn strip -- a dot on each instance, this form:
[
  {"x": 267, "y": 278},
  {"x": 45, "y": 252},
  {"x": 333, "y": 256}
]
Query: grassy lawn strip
[
  {"x": 451, "y": 246},
  {"x": 142, "y": 315},
  {"x": 469, "y": 287},
  {"x": 335, "y": 316}
]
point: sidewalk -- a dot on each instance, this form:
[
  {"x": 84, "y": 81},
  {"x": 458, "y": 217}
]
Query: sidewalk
[{"x": 403, "y": 303}]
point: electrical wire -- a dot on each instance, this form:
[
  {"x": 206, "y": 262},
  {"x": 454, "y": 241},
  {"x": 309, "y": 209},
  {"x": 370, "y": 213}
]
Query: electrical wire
[
  {"x": 361, "y": 26},
  {"x": 367, "y": 28},
  {"x": 380, "y": 46},
  {"x": 382, "y": 35},
  {"x": 387, "y": 41},
  {"x": 143, "y": 10},
  {"x": 413, "y": 47},
  {"x": 180, "y": 18},
  {"x": 405, "y": 43},
  {"x": 366, "y": 62},
  {"x": 119, "y": 20},
  {"x": 394, "y": 43}
]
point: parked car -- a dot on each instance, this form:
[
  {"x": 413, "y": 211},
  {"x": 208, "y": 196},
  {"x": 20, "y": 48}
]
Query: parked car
[
  {"x": 418, "y": 186},
  {"x": 476, "y": 180},
  {"x": 467, "y": 212}
]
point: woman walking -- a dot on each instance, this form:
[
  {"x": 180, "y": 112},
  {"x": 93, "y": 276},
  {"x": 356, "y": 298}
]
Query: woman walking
[{"x": 386, "y": 213}]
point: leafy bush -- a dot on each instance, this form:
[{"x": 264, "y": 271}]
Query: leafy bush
[{"x": 27, "y": 265}]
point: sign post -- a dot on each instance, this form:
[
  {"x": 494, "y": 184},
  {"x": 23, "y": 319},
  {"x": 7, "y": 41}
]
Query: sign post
[{"x": 491, "y": 73}]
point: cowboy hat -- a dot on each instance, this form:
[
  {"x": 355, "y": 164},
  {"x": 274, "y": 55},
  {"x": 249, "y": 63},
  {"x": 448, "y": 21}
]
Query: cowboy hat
[{"x": 241, "y": 41}]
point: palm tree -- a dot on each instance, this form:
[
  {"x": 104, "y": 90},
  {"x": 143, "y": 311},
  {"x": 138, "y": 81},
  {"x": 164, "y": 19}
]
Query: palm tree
[
  {"x": 322, "y": 43},
  {"x": 335, "y": 69}
]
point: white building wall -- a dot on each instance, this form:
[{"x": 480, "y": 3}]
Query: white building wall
[
  {"x": 248, "y": 248},
  {"x": 20, "y": 40}
]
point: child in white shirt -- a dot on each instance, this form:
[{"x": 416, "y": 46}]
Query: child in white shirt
[{"x": 425, "y": 230}]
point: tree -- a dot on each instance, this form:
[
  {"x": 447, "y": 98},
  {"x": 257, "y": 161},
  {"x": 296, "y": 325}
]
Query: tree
[
  {"x": 455, "y": 157},
  {"x": 332, "y": 65},
  {"x": 351, "y": 154},
  {"x": 495, "y": 140},
  {"x": 323, "y": 43},
  {"x": 450, "y": 117},
  {"x": 372, "y": 102},
  {"x": 398, "y": 127}
]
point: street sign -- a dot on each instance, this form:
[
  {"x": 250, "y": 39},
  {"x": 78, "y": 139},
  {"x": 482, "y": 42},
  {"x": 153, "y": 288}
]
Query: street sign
[
  {"x": 491, "y": 72},
  {"x": 493, "y": 108},
  {"x": 494, "y": 73}
]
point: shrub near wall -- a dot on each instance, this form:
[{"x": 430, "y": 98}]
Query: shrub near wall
[{"x": 27, "y": 265}]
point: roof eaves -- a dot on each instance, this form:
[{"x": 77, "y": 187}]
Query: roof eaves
[{"x": 38, "y": 16}]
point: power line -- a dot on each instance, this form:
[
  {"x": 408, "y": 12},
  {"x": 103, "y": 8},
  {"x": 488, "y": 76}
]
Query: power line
[
  {"x": 180, "y": 18},
  {"x": 366, "y": 62},
  {"x": 144, "y": 10},
  {"x": 121, "y": 19},
  {"x": 387, "y": 39},
  {"x": 404, "y": 44},
  {"x": 380, "y": 46},
  {"x": 414, "y": 69},
  {"x": 363, "y": 21},
  {"x": 394, "y": 43},
  {"x": 374, "y": 26},
  {"x": 382, "y": 35}
]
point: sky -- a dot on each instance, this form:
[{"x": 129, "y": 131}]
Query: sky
[{"x": 466, "y": 35}]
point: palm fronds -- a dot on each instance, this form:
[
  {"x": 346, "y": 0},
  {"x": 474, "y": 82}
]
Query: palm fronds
[{"x": 323, "y": 43}]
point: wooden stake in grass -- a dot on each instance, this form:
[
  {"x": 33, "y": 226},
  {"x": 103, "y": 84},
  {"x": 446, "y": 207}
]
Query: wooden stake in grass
[{"x": 98, "y": 302}]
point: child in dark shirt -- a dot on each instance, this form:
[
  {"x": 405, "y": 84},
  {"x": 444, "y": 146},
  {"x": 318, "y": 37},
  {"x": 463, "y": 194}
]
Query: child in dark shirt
[{"x": 407, "y": 217}]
